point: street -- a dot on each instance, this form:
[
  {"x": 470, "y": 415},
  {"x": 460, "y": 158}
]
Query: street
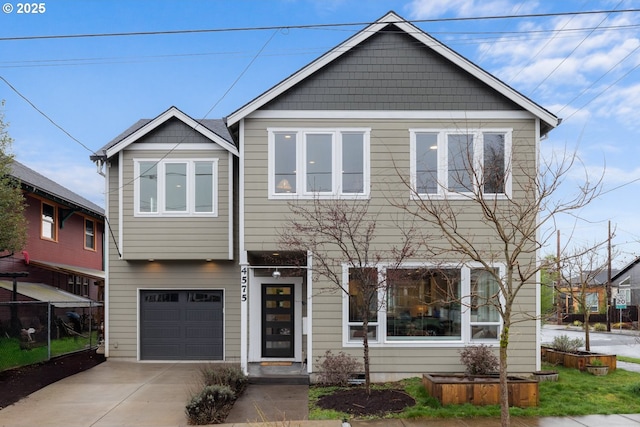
[{"x": 626, "y": 343}]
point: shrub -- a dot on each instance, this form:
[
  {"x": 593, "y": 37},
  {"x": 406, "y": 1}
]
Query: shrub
[
  {"x": 336, "y": 369},
  {"x": 577, "y": 323},
  {"x": 230, "y": 375},
  {"x": 566, "y": 344},
  {"x": 599, "y": 327},
  {"x": 623, "y": 325},
  {"x": 207, "y": 406},
  {"x": 479, "y": 360}
]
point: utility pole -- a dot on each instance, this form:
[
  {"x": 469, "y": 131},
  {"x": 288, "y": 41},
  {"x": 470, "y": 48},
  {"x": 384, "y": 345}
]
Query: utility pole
[
  {"x": 557, "y": 281},
  {"x": 609, "y": 279}
]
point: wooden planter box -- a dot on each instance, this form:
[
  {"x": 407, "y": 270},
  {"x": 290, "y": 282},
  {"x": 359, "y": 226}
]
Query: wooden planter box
[
  {"x": 457, "y": 389},
  {"x": 578, "y": 360}
]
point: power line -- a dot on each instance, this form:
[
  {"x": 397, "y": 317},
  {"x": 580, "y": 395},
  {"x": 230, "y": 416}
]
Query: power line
[
  {"x": 43, "y": 114},
  {"x": 572, "y": 52},
  {"x": 475, "y": 40},
  {"x": 307, "y": 26}
]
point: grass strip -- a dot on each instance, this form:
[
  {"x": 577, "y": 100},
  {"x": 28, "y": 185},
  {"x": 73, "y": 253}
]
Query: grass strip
[{"x": 575, "y": 393}]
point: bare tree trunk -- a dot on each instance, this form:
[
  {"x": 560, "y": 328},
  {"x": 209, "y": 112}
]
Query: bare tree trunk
[
  {"x": 365, "y": 354},
  {"x": 504, "y": 389},
  {"x": 587, "y": 345}
]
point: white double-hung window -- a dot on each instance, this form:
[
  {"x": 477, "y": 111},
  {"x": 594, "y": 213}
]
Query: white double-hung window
[
  {"x": 173, "y": 187},
  {"x": 318, "y": 163},
  {"x": 454, "y": 162}
]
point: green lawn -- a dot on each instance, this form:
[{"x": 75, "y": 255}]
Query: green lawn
[
  {"x": 11, "y": 355},
  {"x": 628, "y": 359},
  {"x": 575, "y": 393}
]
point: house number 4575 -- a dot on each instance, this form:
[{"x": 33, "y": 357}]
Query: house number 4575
[{"x": 243, "y": 284}]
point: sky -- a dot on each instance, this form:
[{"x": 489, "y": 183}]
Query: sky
[{"x": 66, "y": 97}]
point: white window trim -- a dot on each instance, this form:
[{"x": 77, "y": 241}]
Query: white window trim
[
  {"x": 345, "y": 310},
  {"x": 161, "y": 212},
  {"x": 442, "y": 162},
  {"x": 301, "y": 171},
  {"x": 381, "y": 323}
]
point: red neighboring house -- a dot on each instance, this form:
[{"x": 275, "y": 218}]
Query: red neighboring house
[{"x": 65, "y": 240}]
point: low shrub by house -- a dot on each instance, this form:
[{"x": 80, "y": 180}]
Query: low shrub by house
[
  {"x": 207, "y": 406},
  {"x": 221, "y": 386},
  {"x": 479, "y": 360},
  {"x": 336, "y": 369}
]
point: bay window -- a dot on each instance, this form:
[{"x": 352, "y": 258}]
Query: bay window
[
  {"x": 176, "y": 187},
  {"x": 306, "y": 163},
  {"x": 453, "y": 162}
]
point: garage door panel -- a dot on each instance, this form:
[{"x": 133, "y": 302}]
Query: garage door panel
[
  {"x": 205, "y": 351},
  {"x": 163, "y": 352},
  {"x": 181, "y": 325},
  {"x": 201, "y": 315},
  {"x": 204, "y": 333},
  {"x": 160, "y": 315},
  {"x": 161, "y": 333}
]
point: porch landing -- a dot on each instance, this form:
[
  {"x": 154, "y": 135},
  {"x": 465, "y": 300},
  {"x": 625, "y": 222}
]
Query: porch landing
[{"x": 278, "y": 373}]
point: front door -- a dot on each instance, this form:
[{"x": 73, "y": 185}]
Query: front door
[{"x": 277, "y": 321}]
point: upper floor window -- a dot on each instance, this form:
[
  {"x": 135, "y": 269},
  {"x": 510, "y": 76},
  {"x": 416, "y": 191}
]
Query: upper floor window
[
  {"x": 49, "y": 221},
  {"x": 176, "y": 187},
  {"x": 322, "y": 163},
  {"x": 453, "y": 162},
  {"x": 89, "y": 234}
]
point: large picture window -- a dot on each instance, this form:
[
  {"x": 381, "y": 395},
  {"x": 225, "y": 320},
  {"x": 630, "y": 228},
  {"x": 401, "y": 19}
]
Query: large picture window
[
  {"x": 176, "y": 187},
  {"x": 422, "y": 305},
  {"x": 452, "y": 162},
  {"x": 318, "y": 163}
]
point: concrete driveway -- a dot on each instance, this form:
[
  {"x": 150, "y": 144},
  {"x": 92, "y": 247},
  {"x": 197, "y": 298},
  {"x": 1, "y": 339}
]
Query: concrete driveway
[
  {"x": 114, "y": 393},
  {"x": 120, "y": 393}
]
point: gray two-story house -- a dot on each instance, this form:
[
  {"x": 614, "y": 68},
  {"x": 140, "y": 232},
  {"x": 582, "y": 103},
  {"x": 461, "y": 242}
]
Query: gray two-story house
[{"x": 195, "y": 270}]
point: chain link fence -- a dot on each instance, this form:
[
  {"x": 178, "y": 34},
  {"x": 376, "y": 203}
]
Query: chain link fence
[{"x": 33, "y": 332}]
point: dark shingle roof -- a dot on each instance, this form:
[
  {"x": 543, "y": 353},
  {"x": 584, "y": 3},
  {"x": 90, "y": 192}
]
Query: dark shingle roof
[
  {"x": 216, "y": 126},
  {"x": 40, "y": 183}
]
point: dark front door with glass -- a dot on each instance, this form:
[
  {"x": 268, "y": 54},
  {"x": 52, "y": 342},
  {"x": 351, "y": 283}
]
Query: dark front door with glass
[{"x": 277, "y": 321}]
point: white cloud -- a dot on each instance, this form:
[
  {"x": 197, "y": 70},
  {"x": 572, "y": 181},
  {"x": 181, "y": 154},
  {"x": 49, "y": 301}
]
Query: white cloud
[
  {"x": 424, "y": 9},
  {"x": 547, "y": 51},
  {"x": 621, "y": 103}
]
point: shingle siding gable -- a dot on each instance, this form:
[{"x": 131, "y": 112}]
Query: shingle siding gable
[
  {"x": 391, "y": 71},
  {"x": 173, "y": 131}
]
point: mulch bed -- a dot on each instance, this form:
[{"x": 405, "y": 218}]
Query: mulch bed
[
  {"x": 355, "y": 401},
  {"x": 20, "y": 382}
]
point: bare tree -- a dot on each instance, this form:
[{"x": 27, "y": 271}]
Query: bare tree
[
  {"x": 579, "y": 272},
  {"x": 343, "y": 233},
  {"x": 478, "y": 218}
]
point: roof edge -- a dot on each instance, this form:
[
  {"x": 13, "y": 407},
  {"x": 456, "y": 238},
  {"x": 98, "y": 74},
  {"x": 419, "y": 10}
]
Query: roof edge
[
  {"x": 391, "y": 18},
  {"x": 172, "y": 112}
]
